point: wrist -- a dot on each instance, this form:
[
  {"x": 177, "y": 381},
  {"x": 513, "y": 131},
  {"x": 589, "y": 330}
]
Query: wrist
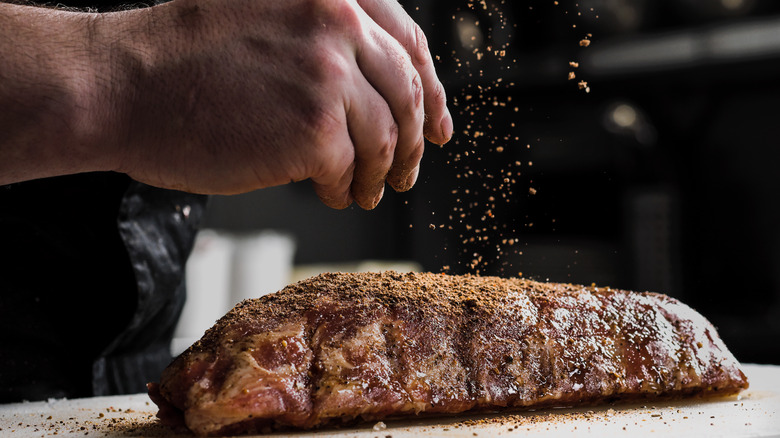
[
  {"x": 92, "y": 83},
  {"x": 103, "y": 91},
  {"x": 127, "y": 115},
  {"x": 50, "y": 91}
]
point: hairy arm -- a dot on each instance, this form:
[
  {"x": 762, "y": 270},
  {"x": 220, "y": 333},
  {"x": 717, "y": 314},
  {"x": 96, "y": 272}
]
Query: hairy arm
[
  {"x": 51, "y": 79},
  {"x": 215, "y": 96}
]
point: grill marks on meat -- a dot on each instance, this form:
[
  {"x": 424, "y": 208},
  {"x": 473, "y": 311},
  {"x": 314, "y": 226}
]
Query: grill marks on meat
[{"x": 340, "y": 347}]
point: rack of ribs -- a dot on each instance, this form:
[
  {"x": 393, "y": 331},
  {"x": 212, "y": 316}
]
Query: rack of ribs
[{"x": 341, "y": 348}]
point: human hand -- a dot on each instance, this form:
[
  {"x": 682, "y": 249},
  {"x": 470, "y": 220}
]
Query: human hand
[{"x": 230, "y": 96}]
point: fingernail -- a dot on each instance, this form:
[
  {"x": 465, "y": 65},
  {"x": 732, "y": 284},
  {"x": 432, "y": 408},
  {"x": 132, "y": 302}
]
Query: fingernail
[
  {"x": 446, "y": 127},
  {"x": 378, "y": 197},
  {"x": 337, "y": 203},
  {"x": 412, "y": 178}
]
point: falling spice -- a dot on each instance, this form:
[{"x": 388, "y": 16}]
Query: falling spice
[{"x": 483, "y": 216}]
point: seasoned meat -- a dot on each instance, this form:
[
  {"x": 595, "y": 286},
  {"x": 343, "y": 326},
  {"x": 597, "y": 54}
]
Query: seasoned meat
[{"x": 340, "y": 348}]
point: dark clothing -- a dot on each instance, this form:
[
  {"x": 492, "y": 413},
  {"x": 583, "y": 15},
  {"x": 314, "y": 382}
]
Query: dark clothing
[
  {"x": 91, "y": 283},
  {"x": 91, "y": 278}
]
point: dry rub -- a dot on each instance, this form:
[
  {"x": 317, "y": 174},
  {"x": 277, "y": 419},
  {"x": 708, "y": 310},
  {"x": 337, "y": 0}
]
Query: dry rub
[{"x": 339, "y": 348}]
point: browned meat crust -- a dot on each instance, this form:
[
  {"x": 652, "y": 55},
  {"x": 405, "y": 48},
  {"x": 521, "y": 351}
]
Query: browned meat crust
[{"x": 343, "y": 347}]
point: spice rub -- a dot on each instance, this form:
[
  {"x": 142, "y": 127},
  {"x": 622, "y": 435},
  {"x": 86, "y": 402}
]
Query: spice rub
[{"x": 340, "y": 348}]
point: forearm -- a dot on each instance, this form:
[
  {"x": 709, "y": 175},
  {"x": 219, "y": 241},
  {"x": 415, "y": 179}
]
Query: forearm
[{"x": 53, "y": 84}]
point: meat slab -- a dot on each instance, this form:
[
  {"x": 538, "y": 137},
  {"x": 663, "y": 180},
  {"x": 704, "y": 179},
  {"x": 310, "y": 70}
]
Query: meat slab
[{"x": 340, "y": 348}]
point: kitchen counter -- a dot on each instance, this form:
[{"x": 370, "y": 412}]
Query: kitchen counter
[{"x": 754, "y": 413}]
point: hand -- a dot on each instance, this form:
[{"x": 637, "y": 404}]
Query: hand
[{"x": 225, "y": 97}]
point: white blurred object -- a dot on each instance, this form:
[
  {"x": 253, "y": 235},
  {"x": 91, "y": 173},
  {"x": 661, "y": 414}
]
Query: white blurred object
[
  {"x": 225, "y": 269},
  {"x": 208, "y": 286},
  {"x": 262, "y": 264}
]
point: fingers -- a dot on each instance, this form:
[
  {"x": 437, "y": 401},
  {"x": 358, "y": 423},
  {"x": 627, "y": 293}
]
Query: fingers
[
  {"x": 374, "y": 134},
  {"x": 360, "y": 149},
  {"x": 335, "y": 192},
  {"x": 392, "y": 18},
  {"x": 387, "y": 67},
  {"x": 336, "y": 165},
  {"x": 392, "y": 102}
]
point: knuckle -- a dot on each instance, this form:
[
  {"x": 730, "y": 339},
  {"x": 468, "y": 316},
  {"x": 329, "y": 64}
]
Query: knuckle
[
  {"x": 417, "y": 93},
  {"x": 335, "y": 14},
  {"x": 419, "y": 48},
  {"x": 322, "y": 126},
  {"x": 416, "y": 153},
  {"x": 412, "y": 103},
  {"x": 326, "y": 66},
  {"x": 348, "y": 18},
  {"x": 435, "y": 99},
  {"x": 386, "y": 148},
  {"x": 439, "y": 94},
  {"x": 337, "y": 70}
]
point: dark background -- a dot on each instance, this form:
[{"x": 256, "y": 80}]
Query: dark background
[{"x": 662, "y": 177}]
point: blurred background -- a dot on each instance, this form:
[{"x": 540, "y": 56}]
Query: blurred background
[{"x": 651, "y": 169}]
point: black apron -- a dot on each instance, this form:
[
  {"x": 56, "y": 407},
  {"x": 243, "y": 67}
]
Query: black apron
[{"x": 91, "y": 283}]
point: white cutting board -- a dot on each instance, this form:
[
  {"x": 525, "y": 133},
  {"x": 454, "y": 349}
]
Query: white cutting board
[{"x": 755, "y": 413}]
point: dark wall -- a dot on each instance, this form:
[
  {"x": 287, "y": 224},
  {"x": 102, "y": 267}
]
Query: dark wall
[{"x": 662, "y": 177}]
